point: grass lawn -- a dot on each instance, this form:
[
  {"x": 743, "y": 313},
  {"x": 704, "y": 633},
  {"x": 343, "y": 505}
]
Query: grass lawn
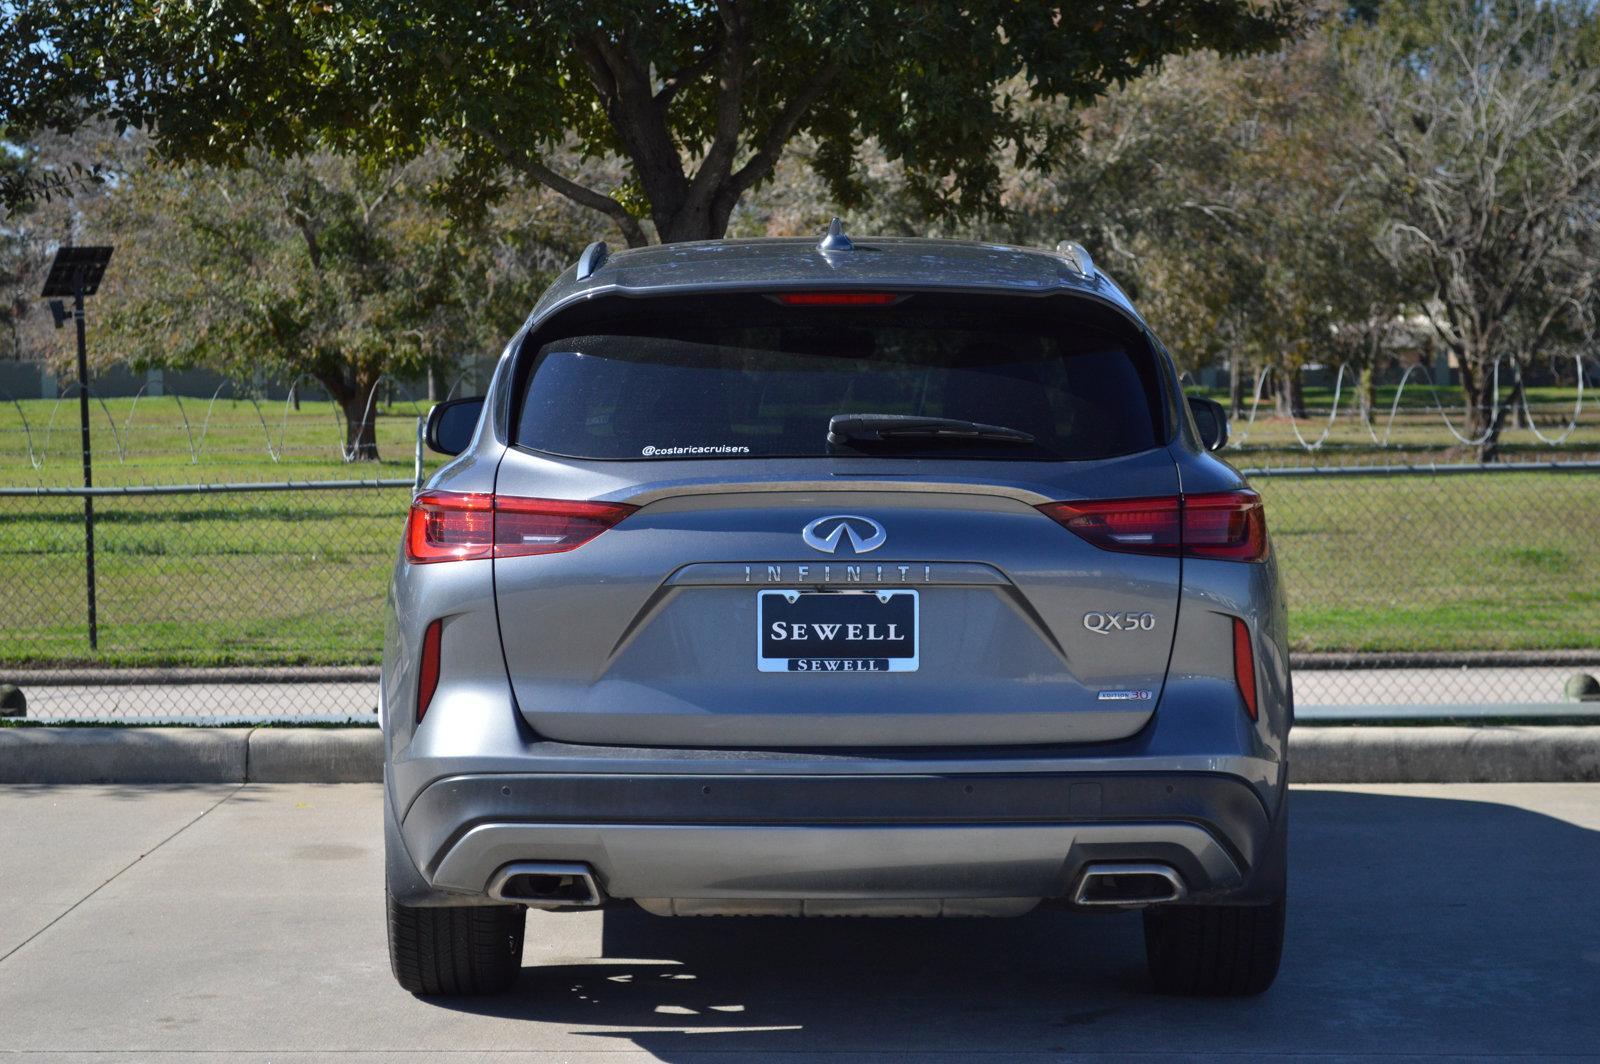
[
  {"x": 1417, "y": 434},
  {"x": 168, "y": 440},
  {"x": 257, "y": 578},
  {"x": 1472, "y": 562}
]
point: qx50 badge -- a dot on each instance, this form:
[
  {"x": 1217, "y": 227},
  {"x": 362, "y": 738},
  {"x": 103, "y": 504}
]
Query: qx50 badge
[
  {"x": 1106, "y": 623},
  {"x": 825, "y": 533}
]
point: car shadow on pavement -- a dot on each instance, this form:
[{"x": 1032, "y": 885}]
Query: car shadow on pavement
[
  {"x": 126, "y": 792},
  {"x": 1419, "y": 924}
]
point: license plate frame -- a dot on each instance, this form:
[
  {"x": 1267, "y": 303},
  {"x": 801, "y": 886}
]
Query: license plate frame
[{"x": 849, "y": 607}]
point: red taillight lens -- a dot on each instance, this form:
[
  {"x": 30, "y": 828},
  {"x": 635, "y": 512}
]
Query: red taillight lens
[
  {"x": 549, "y": 526},
  {"x": 428, "y": 668},
  {"x": 1244, "y": 666},
  {"x": 837, "y": 299},
  {"x": 1145, "y": 526},
  {"x": 450, "y": 526},
  {"x": 447, "y": 526},
  {"x": 1230, "y": 525}
]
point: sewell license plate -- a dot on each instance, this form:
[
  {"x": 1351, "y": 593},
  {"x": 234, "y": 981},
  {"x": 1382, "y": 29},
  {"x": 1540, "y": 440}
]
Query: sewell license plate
[{"x": 836, "y": 631}]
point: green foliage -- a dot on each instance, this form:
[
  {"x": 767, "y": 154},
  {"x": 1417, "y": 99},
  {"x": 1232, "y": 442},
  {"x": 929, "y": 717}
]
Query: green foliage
[
  {"x": 23, "y": 182},
  {"x": 28, "y": 234},
  {"x": 15, "y": 262},
  {"x": 321, "y": 267},
  {"x": 1217, "y": 190},
  {"x": 700, "y": 98}
]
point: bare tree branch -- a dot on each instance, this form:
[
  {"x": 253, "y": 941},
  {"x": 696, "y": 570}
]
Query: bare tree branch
[
  {"x": 769, "y": 146},
  {"x": 1486, "y": 157},
  {"x": 525, "y": 162}
]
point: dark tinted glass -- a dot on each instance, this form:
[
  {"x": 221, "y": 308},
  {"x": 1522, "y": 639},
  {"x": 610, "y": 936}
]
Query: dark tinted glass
[{"x": 764, "y": 383}]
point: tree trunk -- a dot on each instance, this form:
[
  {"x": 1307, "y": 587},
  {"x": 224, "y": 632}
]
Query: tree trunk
[
  {"x": 690, "y": 225},
  {"x": 1484, "y": 421},
  {"x": 1517, "y": 420},
  {"x": 351, "y": 392},
  {"x": 433, "y": 384},
  {"x": 1291, "y": 395},
  {"x": 1367, "y": 391},
  {"x": 1489, "y": 449},
  {"x": 1236, "y": 385},
  {"x": 360, "y": 428}
]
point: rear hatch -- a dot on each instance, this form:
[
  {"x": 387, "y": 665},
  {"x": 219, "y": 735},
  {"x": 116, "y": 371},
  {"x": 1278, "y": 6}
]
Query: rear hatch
[{"x": 891, "y": 586}]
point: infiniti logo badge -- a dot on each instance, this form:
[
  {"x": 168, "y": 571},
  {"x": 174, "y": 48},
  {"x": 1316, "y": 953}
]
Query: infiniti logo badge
[{"x": 825, "y": 532}]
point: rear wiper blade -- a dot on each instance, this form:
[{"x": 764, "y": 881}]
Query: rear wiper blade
[{"x": 886, "y": 428}]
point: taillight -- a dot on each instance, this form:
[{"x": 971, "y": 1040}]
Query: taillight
[
  {"x": 448, "y": 526},
  {"x": 1230, "y": 525},
  {"x": 428, "y": 667},
  {"x": 1144, "y": 526},
  {"x": 550, "y": 526},
  {"x": 1244, "y": 666}
]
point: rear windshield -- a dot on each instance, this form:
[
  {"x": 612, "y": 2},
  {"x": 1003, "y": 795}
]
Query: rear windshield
[{"x": 754, "y": 379}]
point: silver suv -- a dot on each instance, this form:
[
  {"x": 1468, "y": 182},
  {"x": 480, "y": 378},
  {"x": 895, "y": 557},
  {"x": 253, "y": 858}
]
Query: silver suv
[{"x": 886, "y": 577}]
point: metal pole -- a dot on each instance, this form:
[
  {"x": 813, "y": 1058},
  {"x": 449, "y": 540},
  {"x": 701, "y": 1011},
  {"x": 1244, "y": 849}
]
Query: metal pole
[
  {"x": 88, "y": 469},
  {"x": 416, "y": 479}
]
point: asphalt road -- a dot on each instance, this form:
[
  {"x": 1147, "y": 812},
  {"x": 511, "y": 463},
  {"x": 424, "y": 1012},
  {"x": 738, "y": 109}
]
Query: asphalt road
[{"x": 200, "y": 923}]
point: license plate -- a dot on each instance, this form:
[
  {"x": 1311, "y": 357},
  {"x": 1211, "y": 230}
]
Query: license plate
[{"x": 836, "y": 631}]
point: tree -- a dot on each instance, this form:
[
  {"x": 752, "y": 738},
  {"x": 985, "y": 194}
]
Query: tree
[
  {"x": 20, "y": 256},
  {"x": 1219, "y": 192},
  {"x": 1487, "y": 165},
  {"x": 59, "y": 188},
  {"x": 700, "y": 99},
  {"x": 322, "y": 268}
]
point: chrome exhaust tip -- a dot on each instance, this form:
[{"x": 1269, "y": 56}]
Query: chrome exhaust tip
[
  {"x": 1129, "y": 885},
  {"x": 546, "y": 885}
]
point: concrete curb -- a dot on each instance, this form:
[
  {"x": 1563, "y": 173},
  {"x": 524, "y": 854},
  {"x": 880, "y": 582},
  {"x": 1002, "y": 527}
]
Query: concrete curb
[
  {"x": 316, "y": 755},
  {"x": 1489, "y": 754},
  {"x": 1494, "y": 754},
  {"x": 123, "y": 755}
]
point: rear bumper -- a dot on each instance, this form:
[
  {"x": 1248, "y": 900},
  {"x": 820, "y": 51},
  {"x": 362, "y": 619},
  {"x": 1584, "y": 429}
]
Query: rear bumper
[{"x": 821, "y": 838}]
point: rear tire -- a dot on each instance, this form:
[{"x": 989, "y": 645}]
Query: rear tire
[
  {"x": 1214, "y": 950},
  {"x": 461, "y": 949}
]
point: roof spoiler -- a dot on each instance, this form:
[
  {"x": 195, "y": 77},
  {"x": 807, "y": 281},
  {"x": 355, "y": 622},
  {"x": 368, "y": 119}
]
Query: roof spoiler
[
  {"x": 1078, "y": 259},
  {"x": 593, "y": 257}
]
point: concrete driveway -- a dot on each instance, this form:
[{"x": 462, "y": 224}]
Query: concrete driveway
[{"x": 199, "y": 923}]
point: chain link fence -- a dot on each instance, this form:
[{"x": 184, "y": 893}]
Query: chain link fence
[
  {"x": 228, "y": 602},
  {"x": 1438, "y": 592},
  {"x": 1450, "y": 591}
]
